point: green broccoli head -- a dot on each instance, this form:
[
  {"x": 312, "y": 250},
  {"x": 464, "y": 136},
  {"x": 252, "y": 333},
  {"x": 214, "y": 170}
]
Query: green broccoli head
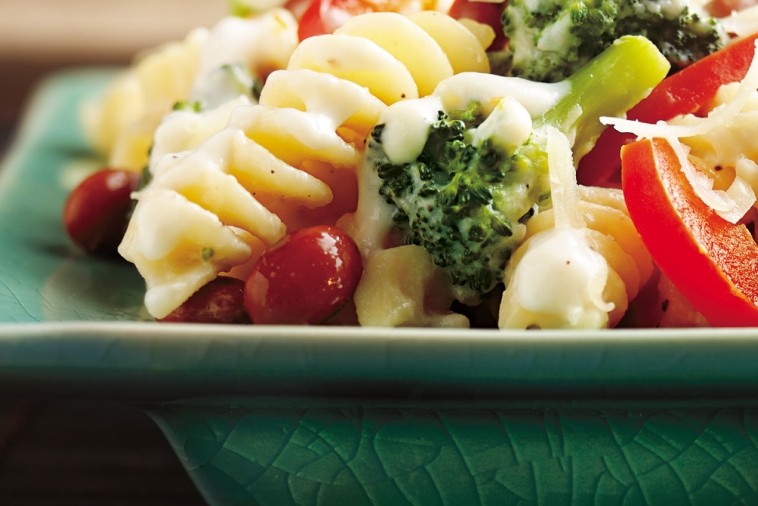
[
  {"x": 465, "y": 188},
  {"x": 549, "y": 40},
  {"x": 464, "y": 201}
]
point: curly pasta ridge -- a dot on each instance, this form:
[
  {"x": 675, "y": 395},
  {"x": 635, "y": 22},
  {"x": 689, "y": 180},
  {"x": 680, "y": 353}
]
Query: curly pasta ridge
[
  {"x": 239, "y": 176},
  {"x": 609, "y": 233}
]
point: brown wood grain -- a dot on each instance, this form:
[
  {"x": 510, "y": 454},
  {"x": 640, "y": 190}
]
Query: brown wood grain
[{"x": 87, "y": 453}]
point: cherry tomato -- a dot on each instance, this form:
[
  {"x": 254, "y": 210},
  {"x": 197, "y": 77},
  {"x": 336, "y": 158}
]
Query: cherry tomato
[
  {"x": 220, "y": 301},
  {"x": 305, "y": 278},
  {"x": 96, "y": 212}
]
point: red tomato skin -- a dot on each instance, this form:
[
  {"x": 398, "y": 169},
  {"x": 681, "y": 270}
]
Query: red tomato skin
[
  {"x": 95, "y": 214},
  {"x": 220, "y": 301},
  {"x": 712, "y": 262},
  {"x": 305, "y": 278},
  {"x": 688, "y": 91}
]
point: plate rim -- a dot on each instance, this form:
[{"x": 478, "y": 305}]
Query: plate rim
[{"x": 48, "y": 350}]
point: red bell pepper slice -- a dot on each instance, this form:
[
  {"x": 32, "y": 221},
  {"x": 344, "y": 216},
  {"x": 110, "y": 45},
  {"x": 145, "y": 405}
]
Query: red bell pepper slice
[
  {"x": 688, "y": 91},
  {"x": 712, "y": 262}
]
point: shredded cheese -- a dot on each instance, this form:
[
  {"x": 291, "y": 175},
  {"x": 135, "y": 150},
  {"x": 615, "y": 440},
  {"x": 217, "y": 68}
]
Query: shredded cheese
[
  {"x": 741, "y": 23},
  {"x": 737, "y": 200},
  {"x": 564, "y": 192}
]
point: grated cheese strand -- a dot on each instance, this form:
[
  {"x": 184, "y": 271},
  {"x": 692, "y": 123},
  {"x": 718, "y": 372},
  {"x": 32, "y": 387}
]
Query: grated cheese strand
[
  {"x": 563, "y": 187},
  {"x": 737, "y": 200}
]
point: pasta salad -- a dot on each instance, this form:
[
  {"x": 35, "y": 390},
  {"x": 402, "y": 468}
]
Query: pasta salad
[{"x": 516, "y": 165}]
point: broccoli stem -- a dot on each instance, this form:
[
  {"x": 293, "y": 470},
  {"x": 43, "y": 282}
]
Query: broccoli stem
[{"x": 609, "y": 85}]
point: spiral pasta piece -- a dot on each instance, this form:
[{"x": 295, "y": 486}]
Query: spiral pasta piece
[
  {"x": 370, "y": 60},
  {"x": 345, "y": 104},
  {"x": 581, "y": 262},
  {"x": 243, "y": 174},
  {"x": 122, "y": 122},
  {"x": 395, "y": 57},
  {"x": 198, "y": 216},
  {"x": 609, "y": 232},
  {"x": 463, "y": 48}
]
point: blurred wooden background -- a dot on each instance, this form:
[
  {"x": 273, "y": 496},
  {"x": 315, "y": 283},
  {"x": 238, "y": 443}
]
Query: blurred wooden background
[
  {"x": 87, "y": 453},
  {"x": 82, "y": 452},
  {"x": 40, "y": 36}
]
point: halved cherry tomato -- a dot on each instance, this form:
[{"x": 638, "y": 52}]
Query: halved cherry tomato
[
  {"x": 689, "y": 91},
  {"x": 712, "y": 262},
  {"x": 305, "y": 278},
  {"x": 95, "y": 214}
]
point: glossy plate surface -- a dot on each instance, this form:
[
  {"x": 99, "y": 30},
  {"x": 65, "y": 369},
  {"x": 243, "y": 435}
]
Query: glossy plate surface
[{"x": 290, "y": 415}]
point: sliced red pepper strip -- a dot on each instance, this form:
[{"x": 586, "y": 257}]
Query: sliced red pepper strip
[
  {"x": 712, "y": 262},
  {"x": 686, "y": 92}
]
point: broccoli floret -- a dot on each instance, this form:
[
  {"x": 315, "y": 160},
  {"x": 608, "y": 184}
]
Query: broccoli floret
[
  {"x": 460, "y": 200},
  {"x": 468, "y": 194},
  {"x": 550, "y": 39}
]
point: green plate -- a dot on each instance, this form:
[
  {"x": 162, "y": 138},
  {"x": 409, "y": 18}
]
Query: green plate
[{"x": 295, "y": 415}]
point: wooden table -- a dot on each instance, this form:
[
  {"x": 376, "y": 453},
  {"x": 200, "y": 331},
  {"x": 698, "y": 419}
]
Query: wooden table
[
  {"x": 55, "y": 30},
  {"x": 86, "y": 453},
  {"x": 77, "y": 452},
  {"x": 38, "y": 37},
  {"x": 80, "y": 452}
]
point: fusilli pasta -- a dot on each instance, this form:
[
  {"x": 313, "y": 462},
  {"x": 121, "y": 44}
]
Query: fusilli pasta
[
  {"x": 596, "y": 251},
  {"x": 284, "y": 163},
  {"x": 122, "y": 122}
]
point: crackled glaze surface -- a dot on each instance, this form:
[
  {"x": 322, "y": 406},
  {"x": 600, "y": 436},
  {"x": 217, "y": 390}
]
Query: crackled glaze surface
[
  {"x": 42, "y": 276},
  {"x": 373, "y": 454}
]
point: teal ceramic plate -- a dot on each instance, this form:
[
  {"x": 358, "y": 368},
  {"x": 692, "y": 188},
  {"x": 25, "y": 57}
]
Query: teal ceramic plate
[{"x": 290, "y": 415}]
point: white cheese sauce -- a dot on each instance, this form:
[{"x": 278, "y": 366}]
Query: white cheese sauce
[{"x": 562, "y": 276}]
